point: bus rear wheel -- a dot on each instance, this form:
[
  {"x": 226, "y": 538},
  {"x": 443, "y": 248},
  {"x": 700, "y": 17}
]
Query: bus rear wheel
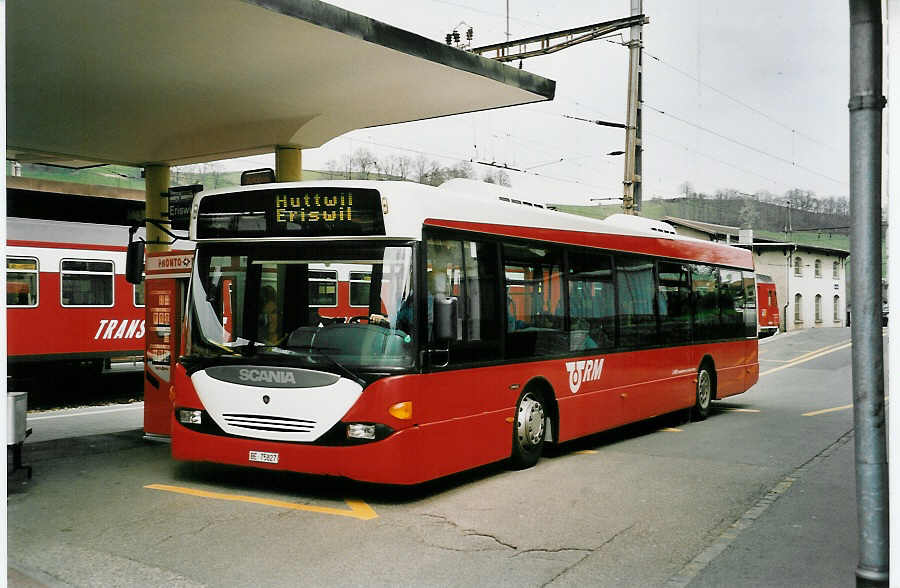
[
  {"x": 528, "y": 433},
  {"x": 704, "y": 393}
]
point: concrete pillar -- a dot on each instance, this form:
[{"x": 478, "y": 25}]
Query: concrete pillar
[
  {"x": 288, "y": 164},
  {"x": 156, "y": 183}
]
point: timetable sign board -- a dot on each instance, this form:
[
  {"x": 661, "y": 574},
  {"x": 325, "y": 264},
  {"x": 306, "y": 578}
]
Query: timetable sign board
[{"x": 180, "y": 200}]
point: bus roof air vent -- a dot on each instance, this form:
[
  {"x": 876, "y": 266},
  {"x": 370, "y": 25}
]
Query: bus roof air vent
[{"x": 641, "y": 224}]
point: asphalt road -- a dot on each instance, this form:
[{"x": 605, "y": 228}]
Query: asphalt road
[{"x": 761, "y": 493}]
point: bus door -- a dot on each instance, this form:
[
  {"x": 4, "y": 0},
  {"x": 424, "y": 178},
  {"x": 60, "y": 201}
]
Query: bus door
[{"x": 165, "y": 292}]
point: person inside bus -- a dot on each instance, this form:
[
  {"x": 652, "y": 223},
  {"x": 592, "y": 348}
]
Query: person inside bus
[
  {"x": 269, "y": 317},
  {"x": 405, "y": 315}
]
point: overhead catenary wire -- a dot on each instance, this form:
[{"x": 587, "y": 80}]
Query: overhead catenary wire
[
  {"x": 470, "y": 160},
  {"x": 744, "y": 104},
  {"x": 744, "y": 145}
]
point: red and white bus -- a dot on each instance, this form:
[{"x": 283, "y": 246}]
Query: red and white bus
[
  {"x": 767, "y": 303},
  {"x": 66, "y": 296},
  {"x": 482, "y": 327}
]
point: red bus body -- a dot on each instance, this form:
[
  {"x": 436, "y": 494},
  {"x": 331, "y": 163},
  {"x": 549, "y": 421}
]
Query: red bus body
[
  {"x": 767, "y": 305},
  {"x": 464, "y": 418}
]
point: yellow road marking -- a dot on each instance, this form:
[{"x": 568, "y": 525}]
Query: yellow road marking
[
  {"x": 821, "y": 349},
  {"x": 827, "y": 410},
  {"x": 837, "y": 408},
  {"x": 358, "y": 508},
  {"x": 672, "y": 430},
  {"x": 807, "y": 357},
  {"x": 740, "y": 410},
  {"x": 585, "y": 452}
]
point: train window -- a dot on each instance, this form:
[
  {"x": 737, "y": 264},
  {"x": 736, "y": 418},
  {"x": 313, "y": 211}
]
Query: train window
[
  {"x": 359, "y": 288},
  {"x": 22, "y": 282},
  {"x": 323, "y": 288},
  {"x": 139, "y": 294},
  {"x": 86, "y": 282}
]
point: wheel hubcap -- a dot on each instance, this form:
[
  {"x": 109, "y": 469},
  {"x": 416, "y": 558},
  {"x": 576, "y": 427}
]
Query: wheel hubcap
[
  {"x": 704, "y": 389},
  {"x": 530, "y": 422}
]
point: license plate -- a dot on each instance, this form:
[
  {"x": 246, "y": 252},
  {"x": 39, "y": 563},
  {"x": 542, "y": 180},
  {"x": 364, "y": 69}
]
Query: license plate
[{"x": 263, "y": 457}]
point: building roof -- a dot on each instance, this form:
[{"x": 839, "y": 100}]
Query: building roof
[
  {"x": 170, "y": 82},
  {"x": 758, "y": 242},
  {"x": 708, "y": 228}
]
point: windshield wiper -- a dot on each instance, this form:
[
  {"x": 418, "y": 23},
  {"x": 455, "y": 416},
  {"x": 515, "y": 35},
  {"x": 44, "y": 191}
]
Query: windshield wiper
[{"x": 347, "y": 371}]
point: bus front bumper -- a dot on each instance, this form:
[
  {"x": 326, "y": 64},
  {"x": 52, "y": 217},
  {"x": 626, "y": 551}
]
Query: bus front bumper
[{"x": 394, "y": 460}]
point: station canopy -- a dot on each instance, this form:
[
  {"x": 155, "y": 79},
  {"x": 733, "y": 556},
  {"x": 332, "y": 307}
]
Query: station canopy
[{"x": 171, "y": 82}]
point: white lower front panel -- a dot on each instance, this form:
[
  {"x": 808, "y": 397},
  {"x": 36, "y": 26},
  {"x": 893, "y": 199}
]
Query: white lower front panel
[{"x": 277, "y": 414}]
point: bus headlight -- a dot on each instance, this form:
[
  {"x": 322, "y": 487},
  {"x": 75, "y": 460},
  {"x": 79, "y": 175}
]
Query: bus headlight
[
  {"x": 360, "y": 431},
  {"x": 187, "y": 416}
]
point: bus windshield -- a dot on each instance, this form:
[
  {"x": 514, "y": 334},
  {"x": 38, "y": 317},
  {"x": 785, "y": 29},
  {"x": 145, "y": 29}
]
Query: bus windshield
[{"x": 350, "y": 304}]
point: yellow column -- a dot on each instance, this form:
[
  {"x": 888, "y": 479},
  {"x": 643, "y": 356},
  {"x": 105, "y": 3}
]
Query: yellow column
[
  {"x": 156, "y": 182},
  {"x": 288, "y": 164}
]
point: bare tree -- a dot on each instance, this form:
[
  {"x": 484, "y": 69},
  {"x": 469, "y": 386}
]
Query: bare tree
[
  {"x": 497, "y": 176},
  {"x": 404, "y": 166},
  {"x": 364, "y": 161}
]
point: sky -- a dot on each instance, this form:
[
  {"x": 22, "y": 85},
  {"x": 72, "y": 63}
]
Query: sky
[{"x": 750, "y": 96}]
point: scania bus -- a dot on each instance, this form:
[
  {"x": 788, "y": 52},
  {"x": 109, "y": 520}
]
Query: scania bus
[{"x": 483, "y": 327}]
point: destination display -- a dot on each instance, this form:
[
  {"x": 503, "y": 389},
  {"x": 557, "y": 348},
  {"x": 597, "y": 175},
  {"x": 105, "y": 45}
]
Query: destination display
[{"x": 291, "y": 212}]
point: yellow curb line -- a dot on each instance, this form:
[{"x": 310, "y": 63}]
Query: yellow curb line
[{"x": 358, "y": 508}]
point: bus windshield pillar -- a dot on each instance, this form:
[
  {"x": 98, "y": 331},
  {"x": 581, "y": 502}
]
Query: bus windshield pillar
[
  {"x": 288, "y": 166},
  {"x": 156, "y": 184}
]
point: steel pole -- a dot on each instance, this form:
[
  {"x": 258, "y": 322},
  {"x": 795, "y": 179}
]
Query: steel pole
[
  {"x": 156, "y": 184},
  {"x": 631, "y": 198},
  {"x": 866, "y": 104}
]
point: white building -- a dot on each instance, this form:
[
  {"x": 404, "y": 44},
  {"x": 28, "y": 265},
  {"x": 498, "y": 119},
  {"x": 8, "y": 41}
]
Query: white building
[{"x": 810, "y": 281}]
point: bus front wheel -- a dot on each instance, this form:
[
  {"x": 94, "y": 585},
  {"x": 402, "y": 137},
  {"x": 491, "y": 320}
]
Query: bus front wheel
[
  {"x": 704, "y": 393},
  {"x": 528, "y": 433}
]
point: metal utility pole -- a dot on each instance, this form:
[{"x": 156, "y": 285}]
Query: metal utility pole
[
  {"x": 552, "y": 42},
  {"x": 866, "y": 104},
  {"x": 559, "y": 40},
  {"x": 631, "y": 200}
]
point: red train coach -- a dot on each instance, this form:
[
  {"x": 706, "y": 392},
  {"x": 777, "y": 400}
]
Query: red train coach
[{"x": 67, "y": 298}]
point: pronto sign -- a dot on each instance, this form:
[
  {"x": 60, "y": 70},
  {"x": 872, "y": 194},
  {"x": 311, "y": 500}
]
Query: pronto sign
[{"x": 176, "y": 264}]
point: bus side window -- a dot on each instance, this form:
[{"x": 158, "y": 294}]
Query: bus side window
[
  {"x": 674, "y": 302},
  {"x": 592, "y": 303},
  {"x": 749, "y": 282},
  {"x": 731, "y": 302},
  {"x": 443, "y": 276},
  {"x": 466, "y": 270},
  {"x": 535, "y": 304},
  {"x": 704, "y": 286},
  {"x": 635, "y": 287}
]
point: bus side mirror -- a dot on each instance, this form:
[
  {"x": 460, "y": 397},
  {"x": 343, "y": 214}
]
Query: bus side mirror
[
  {"x": 445, "y": 315},
  {"x": 134, "y": 262}
]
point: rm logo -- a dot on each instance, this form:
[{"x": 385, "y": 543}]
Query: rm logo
[{"x": 583, "y": 370}]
